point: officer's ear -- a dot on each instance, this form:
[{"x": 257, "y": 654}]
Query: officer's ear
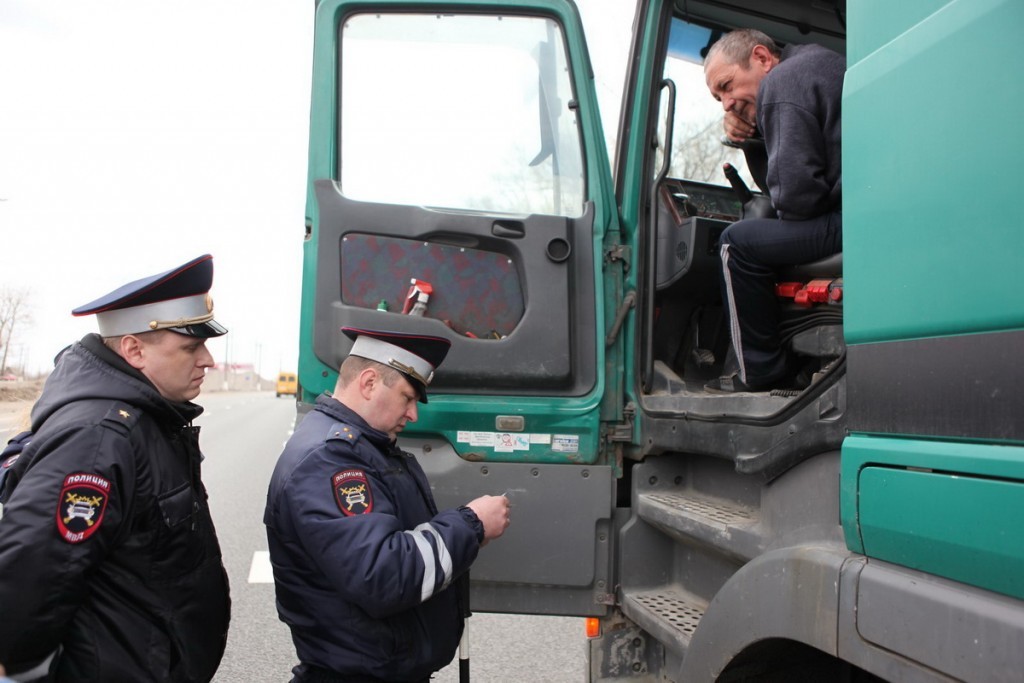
[
  {"x": 130, "y": 348},
  {"x": 366, "y": 381}
]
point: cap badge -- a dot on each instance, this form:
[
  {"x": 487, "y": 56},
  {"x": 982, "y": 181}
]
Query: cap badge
[
  {"x": 185, "y": 322},
  {"x": 411, "y": 371}
]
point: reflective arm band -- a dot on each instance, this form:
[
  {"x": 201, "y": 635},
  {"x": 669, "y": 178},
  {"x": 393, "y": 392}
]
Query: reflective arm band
[{"x": 430, "y": 559}]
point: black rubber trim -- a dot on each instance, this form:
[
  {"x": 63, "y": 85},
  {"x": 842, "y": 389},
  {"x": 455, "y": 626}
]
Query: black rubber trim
[{"x": 967, "y": 386}]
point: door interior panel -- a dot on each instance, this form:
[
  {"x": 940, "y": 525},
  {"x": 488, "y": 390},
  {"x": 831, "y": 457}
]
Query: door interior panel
[{"x": 519, "y": 286}]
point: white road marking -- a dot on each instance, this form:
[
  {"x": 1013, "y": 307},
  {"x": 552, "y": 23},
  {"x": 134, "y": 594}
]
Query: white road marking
[{"x": 260, "y": 570}]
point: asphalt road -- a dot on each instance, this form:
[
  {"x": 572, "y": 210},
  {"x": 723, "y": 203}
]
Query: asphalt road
[{"x": 242, "y": 435}]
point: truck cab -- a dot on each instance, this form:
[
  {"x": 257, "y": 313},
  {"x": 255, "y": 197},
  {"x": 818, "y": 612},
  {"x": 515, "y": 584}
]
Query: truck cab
[{"x": 861, "y": 525}]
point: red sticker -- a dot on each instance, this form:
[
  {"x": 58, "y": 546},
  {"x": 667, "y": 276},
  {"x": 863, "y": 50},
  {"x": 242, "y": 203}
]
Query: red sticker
[
  {"x": 352, "y": 492},
  {"x": 83, "y": 500}
]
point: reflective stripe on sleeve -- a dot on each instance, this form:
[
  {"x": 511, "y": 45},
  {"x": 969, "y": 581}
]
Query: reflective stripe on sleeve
[{"x": 430, "y": 559}]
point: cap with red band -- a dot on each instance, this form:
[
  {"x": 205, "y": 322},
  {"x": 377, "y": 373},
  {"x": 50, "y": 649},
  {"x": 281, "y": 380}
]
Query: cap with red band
[{"x": 414, "y": 355}]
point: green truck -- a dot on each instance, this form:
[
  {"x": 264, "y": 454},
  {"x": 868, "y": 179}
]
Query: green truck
[{"x": 868, "y": 526}]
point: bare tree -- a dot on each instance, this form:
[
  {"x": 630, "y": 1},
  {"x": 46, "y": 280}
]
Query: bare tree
[
  {"x": 13, "y": 314},
  {"x": 698, "y": 153}
]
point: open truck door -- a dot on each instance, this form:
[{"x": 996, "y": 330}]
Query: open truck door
[{"x": 457, "y": 161}]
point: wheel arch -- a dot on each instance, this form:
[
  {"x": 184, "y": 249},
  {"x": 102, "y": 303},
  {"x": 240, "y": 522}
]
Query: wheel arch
[{"x": 789, "y": 594}]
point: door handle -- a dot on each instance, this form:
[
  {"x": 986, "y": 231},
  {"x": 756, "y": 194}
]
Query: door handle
[{"x": 510, "y": 229}]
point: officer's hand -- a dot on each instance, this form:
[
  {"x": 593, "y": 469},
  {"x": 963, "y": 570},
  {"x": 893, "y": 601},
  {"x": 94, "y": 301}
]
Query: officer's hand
[
  {"x": 736, "y": 128},
  {"x": 493, "y": 512}
]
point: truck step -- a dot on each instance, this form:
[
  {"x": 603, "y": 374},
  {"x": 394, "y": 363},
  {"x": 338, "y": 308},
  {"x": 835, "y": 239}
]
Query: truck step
[
  {"x": 669, "y": 614},
  {"x": 725, "y": 526}
]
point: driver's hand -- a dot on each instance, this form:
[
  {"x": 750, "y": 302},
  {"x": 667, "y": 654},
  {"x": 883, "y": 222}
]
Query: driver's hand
[{"x": 736, "y": 128}]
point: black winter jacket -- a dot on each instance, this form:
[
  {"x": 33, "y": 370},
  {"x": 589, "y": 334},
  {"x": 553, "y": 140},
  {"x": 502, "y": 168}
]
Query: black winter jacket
[{"x": 107, "y": 549}]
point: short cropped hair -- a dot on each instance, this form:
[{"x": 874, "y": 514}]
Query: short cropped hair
[
  {"x": 353, "y": 365},
  {"x": 151, "y": 337},
  {"x": 736, "y": 46}
]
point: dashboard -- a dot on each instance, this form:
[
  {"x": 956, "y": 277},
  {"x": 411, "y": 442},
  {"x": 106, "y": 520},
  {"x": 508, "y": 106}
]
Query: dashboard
[{"x": 691, "y": 198}]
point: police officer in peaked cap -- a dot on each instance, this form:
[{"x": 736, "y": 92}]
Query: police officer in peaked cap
[
  {"x": 367, "y": 570},
  {"x": 110, "y": 569}
]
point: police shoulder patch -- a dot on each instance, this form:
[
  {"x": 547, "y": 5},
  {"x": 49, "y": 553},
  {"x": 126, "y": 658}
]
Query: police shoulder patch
[
  {"x": 83, "y": 500},
  {"x": 352, "y": 492}
]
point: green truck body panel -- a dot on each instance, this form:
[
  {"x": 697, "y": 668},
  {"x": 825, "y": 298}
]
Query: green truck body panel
[
  {"x": 951, "y": 509},
  {"x": 873, "y": 23},
  {"x": 932, "y": 226},
  {"x": 561, "y": 431}
]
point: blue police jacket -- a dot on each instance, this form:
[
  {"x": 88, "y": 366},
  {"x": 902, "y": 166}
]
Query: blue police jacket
[{"x": 364, "y": 565}]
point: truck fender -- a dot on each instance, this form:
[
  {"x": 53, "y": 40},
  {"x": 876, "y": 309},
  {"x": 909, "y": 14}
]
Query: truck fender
[{"x": 790, "y": 593}]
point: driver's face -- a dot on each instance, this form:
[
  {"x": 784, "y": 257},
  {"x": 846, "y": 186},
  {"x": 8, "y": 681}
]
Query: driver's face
[{"x": 735, "y": 85}]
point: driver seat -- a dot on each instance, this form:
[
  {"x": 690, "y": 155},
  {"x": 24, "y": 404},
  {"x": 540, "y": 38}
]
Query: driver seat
[
  {"x": 829, "y": 267},
  {"x": 812, "y": 307}
]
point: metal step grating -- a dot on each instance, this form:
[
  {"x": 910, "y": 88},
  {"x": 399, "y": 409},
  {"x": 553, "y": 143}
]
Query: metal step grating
[
  {"x": 717, "y": 511},
  {"x": 671, "y": 607}
]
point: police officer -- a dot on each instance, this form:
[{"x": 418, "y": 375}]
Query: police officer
[
  {"x": 110, "y": 568},
  {"x": 366, "y": 569}
]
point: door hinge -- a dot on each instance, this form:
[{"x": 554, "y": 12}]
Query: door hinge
[
  {"x": 623, "y": 431},
  {"x": 619, "y": 252}
]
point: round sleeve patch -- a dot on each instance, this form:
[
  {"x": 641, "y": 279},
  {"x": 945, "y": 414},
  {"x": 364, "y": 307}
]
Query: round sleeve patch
[
  {"x": 352, "y": 492},
  {"x": 83, "y": 500}
]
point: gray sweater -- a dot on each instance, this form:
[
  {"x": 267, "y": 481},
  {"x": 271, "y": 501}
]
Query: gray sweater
[{"x": 799, "y": 114}]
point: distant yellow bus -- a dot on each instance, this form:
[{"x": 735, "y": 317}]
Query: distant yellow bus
[{"x": 287, "y": 384}]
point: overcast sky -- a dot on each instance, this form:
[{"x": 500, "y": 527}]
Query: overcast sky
[{"x": 136, "y": 135}]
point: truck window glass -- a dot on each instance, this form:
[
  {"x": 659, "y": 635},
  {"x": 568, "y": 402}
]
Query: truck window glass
[
  {"x": 697, "y": 150},
  {"x": 459, "y": 111}
]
